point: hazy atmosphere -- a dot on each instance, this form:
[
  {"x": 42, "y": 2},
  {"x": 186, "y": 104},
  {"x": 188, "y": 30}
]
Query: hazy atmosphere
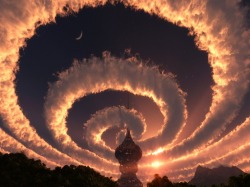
[{"x": 75, "y": 74}]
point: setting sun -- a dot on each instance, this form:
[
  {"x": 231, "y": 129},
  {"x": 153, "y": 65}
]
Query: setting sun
[{"x": 156, "y": 164}]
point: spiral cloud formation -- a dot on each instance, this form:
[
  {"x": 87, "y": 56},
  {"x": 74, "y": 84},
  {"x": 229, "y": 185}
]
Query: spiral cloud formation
[{"x": 220, "y": 29}]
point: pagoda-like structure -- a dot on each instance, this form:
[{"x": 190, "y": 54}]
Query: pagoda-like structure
[{"x": 128, "y": 154}]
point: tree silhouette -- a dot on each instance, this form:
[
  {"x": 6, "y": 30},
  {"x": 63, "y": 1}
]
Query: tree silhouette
[
  {"x": 165, "y": 182},
  {"x": 16, "y": 170},
  {"x": 240, "y": 181}
]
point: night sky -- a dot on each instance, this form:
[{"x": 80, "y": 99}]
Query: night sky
[
  {"x": 114, "y": 29},
  {"x": 125, "y": 32}
]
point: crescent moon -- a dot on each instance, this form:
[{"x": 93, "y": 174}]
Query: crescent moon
[{"x": 79, "y": 37}]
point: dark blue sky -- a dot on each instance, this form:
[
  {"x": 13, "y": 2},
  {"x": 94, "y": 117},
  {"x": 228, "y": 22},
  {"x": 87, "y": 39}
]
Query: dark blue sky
[{"x": 114, "y": 29}]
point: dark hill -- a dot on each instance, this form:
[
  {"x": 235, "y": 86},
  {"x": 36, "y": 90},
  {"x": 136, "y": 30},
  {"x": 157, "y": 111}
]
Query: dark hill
[
  {"x": 16, "y": 170},
  {"x": 207, "y": 177}
]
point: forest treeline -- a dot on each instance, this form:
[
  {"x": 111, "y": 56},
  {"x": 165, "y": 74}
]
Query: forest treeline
[
  {"x": 165, "y": 182},
  {"x": 242, "y": 180},
  {"x": 16, "y": 170}
]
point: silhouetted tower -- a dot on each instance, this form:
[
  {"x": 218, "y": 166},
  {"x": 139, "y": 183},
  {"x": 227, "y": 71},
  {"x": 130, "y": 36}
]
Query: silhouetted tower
[{"x": 128, "y": 154}]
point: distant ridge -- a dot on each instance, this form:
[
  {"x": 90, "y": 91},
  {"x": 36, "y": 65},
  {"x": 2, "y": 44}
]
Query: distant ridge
[{"x": 207, "y": 177}]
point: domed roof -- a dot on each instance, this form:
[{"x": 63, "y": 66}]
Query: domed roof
[{"x": 128, "y": 151}]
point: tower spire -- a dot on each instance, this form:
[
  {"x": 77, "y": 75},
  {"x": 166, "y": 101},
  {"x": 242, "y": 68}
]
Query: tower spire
[{"x": 128, "y": 154}]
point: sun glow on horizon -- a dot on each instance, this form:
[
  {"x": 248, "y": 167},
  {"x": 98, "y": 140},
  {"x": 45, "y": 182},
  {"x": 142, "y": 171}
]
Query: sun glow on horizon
[{"x": 156, "y": 164}]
